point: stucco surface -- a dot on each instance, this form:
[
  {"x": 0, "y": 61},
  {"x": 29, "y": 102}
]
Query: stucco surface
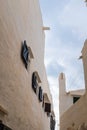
[{"x": 21, "y": 20}]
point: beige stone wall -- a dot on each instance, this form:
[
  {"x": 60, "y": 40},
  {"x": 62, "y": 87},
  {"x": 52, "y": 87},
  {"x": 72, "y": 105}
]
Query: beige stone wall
[
  {"x": 46, "y": 86},
  {"x": 21, "y": 20},
  {"x": 76, "y": 115},
  {"x": 84, "y": 59},
  {"x": 65, "y": 100}
]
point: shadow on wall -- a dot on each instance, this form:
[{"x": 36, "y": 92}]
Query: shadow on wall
[{"x": 83, "y": 126}]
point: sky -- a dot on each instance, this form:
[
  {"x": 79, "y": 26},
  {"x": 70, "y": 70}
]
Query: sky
[{"x": 67, "y": 20}]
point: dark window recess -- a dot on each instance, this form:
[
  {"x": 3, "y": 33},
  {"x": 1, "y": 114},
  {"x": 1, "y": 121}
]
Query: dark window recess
[
  {"x": 40, "y": 96},
  {"x": 75, "y": 99},
  {"x": 43, "y": 101},
  {"x": 52, "y": 123},
  {"x": 47, "y": 107},
  {"x": 48, "y": 114},
  {"x": 25, "y": 54},
  {"x": 4, "y": 127},
  {"x": 34, "y": 82}
]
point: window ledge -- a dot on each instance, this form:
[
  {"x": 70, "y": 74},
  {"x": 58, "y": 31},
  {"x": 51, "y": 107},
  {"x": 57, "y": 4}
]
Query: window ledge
[{"x": 3, "y": 110}]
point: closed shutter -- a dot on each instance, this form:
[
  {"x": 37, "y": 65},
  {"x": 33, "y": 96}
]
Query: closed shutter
[
  {"x": 34, "y": 82},
  {"x": 25, "y": 54},
  {"x": 52, "y": 123},
  {"x": 47, "y": 107},
  {"x": 40, "y": 94}
]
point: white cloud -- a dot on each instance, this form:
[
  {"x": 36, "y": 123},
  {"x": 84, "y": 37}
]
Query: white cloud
[{"x": 74, "y": 16}]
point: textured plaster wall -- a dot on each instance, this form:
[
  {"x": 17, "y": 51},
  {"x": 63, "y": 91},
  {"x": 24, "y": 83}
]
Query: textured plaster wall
[
  {"x": 76, "y": 115},
  {"x": 84, "y": 59},
  {"x": 65, "y": 100},
  {"x": 21, "y": 20}
]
